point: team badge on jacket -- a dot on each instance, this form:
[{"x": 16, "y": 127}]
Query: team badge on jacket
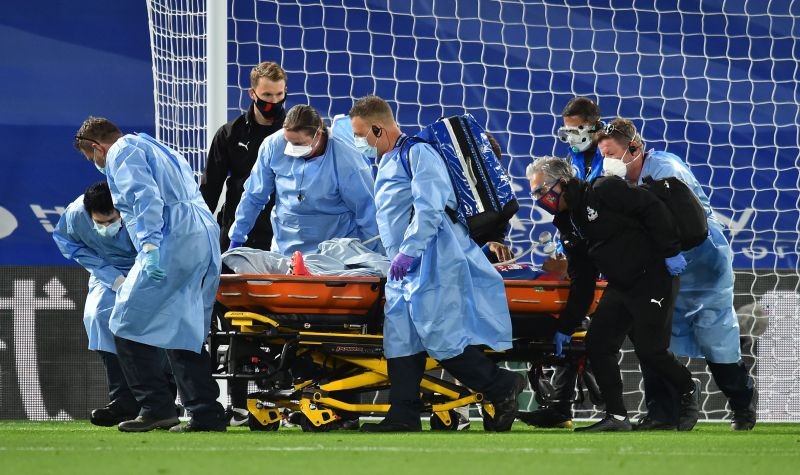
[{"x": 590, "y": 213}]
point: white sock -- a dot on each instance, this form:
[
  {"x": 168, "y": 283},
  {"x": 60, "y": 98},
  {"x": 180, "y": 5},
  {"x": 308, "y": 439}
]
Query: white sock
[{"x": 618, "y": 417}]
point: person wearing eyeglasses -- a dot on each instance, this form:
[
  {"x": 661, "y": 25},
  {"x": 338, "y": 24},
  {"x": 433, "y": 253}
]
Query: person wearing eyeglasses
[
  {"x": 166, "y": 300},
  {"x": 581, "y": 122},
  {"x": 626, "y": 233},
  {"x": 704, "y": 324},
  {"x": 323, "y": 188}
]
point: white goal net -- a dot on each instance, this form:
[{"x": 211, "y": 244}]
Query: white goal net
[{"x": 713, "y": 82}]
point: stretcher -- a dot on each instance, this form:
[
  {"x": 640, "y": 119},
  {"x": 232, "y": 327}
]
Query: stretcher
[{"x": 314, "y": 344}]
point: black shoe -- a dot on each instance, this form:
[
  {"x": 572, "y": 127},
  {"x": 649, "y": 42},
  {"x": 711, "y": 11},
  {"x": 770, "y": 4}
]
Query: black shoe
[
  {"x": 391, "y": 426},
  {"x": 146, "y": 424},
  {"x": 648, "y": 423},
  {"x": 689, "y": 411},
  {"x": 111, "y": 415},
  {"x": 546, "y": 417},
  {"x": 506, "y": 411},
  {"x": 608, "y": 424},
  {"x": 744, "y": 419},
  {"x": 193, "y": 426},
  {"x": 294, "y": 418}
]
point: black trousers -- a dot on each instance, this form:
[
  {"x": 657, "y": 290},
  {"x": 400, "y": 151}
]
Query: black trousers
[
  {"x": 472, "y": 368},
  {"x": 564, "y": 379},
  {"x": 644, "y": 314},
  {"x": 119, "y": 394},
  {"x": 662, "y": 398},
  {"x": 143, "y": 368}
]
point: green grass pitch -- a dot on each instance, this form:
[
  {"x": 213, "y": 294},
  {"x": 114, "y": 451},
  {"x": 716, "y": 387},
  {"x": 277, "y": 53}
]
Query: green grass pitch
[{"x": 31, "y": 448}]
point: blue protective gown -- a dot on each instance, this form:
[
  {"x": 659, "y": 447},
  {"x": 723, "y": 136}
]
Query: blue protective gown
[
  {"x": 322, "y": 198},
  {"x": 106, "y": 259},
  {"x": 579, "y": 164},
  {"x": 704, "y": 323},
  {"x": 154, "y": 189},
  {"x": 452, "y": 296}
]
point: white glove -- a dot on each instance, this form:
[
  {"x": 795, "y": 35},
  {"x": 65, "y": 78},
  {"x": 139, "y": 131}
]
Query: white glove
[{"x": 117, "y": 283}]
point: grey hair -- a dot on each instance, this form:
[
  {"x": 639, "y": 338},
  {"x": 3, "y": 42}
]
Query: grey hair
[{"x": 553, "y": 168}]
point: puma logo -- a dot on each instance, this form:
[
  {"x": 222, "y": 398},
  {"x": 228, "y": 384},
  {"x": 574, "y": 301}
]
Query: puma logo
[
  {"x": 658, "y": 302},
  {"x": 242, "y": 144}
]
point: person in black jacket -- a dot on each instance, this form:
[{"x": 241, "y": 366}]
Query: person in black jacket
[
  {"x": 232, "y": 155},
  {"x": 628, "y": 234},
  {"x": 234, "y": 151}
]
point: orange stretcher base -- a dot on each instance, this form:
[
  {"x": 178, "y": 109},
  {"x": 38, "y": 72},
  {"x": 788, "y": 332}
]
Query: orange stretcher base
[{"x": 357, "y": 295}]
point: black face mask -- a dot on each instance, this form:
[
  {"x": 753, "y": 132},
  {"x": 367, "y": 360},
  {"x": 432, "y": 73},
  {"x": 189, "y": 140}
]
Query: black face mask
[{"x": 269, "y": 110}]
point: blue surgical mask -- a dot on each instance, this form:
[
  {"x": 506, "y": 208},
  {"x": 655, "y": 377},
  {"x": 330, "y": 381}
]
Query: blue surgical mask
[
  {"x": 108, "y": 231},
  {"x": 365, "y": 148}
]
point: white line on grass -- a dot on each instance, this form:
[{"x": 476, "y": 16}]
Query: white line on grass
[{"x": 414, "y": 450}]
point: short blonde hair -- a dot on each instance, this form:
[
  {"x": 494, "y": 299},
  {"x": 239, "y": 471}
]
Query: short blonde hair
[
  {"x": 621, "y": 131},
  {"x": 371, "y": 108},
  {"x": 268, "y": 70}
]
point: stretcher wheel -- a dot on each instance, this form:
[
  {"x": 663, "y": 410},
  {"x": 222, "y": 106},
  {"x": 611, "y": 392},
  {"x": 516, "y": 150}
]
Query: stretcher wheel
[
  {"x": 438, "y": 424},
  {"x": 255, "y": 425},
  {"x": 309, "y": 426},
  {"x": 488, "y": 422}
]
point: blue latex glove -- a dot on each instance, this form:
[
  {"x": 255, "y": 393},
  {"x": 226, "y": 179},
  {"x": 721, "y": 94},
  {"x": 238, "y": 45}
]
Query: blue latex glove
[
  {"x": 559, "y": 339},
  {"x": 675, "y": 264},
  {"x": 400, "y": 265},
  {"x": 152, "y": 267},
  {"x": 235, "y": 244}
]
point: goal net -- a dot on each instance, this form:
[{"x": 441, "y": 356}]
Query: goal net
[{"x": 713, "y": 82}]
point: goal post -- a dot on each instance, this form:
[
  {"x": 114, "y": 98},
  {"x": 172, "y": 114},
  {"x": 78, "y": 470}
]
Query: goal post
[{"x": 714, "y": 82}]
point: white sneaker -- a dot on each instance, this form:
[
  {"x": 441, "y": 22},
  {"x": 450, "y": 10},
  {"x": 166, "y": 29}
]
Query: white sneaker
[
  {"x": 463, "y": 417},
  {"x": 237, "y": 417}
]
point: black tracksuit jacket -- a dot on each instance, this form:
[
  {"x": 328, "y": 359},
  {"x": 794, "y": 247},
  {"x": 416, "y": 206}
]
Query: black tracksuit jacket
[
  {"x": 232, "y": 154},
  {"x": 613, "y": 228}
]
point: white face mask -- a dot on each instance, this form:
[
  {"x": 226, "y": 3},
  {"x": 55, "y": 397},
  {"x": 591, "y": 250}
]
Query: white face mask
[
  {"x": 108, "y": 231},
  {"x": 365, "y": 148},
  {"x": 298, "y": 151},
  {"x": 578, "y": 138},
  {"x": 618, "y": 169}
]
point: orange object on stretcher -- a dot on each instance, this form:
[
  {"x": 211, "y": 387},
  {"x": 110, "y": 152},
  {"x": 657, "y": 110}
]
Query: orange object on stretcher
[{"x": 341, "y": 295}]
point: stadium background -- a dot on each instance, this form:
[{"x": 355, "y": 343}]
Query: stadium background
[{"x": 72, "y": 59}]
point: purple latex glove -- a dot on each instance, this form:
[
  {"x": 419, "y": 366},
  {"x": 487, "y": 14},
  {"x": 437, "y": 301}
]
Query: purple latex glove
[
  {"x": 559, "y": 339},
  {"x": 235, "y": 244},
  {"x": 400, "y": 265}
]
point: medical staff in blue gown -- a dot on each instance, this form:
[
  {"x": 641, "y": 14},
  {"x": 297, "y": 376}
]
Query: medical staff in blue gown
[
  {"x": 323, "y": 188},
  {"x": 91, "y": 233},
  {"x": 167, "y": 298},
  {"x": 443, "y": 297},
  {"x": 704, "y": 324}
]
